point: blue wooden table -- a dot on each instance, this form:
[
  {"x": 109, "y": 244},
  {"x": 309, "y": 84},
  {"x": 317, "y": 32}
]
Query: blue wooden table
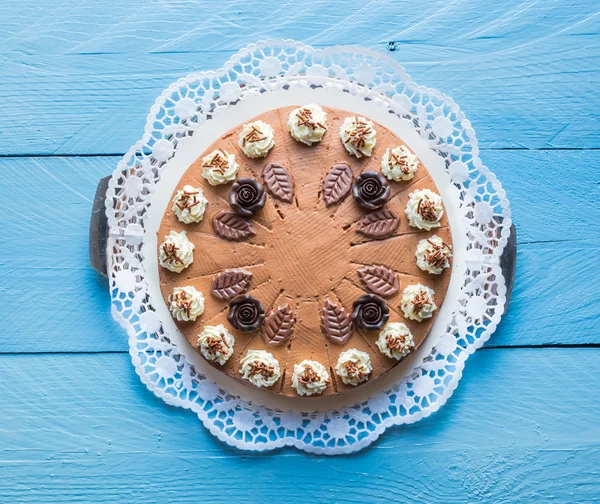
[{"x": 76, "y": 82}]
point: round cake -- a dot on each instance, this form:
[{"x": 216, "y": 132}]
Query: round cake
[{"x": 306, "y": 252}]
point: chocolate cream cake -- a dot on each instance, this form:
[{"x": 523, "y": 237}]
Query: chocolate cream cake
[{"x": 306, "y": 252}]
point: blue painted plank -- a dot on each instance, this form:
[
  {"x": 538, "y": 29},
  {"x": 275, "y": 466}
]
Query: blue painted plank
[
  {"x": 554, "y": 195},
  {"x": 80, "y": 78},
  {"x": 49, "y": 222},
  {"x": 520, "y": 428}
]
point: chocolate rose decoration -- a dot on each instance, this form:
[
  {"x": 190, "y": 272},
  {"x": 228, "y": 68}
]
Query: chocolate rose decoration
[
  {"x": 246, "y": 313},
  {"x": 370, "y": 190},
  {"x": 247, "y": 196},
  {"x": 370, "y": 312}
]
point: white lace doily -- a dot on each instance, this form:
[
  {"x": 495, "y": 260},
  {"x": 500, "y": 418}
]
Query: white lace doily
[{"x": 279, "y": 65}]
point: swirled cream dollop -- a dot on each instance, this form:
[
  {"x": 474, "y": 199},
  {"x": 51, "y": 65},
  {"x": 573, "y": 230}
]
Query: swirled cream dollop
[
  {"x": 216, "y": 344},
  {"x": 354, "y": 366},
  {"x": 399, "y": 164},
  {"x": 395, "y": 340},
  {"x": 310, "y": 377},
  {"x": 176, "y": 252},
  {"x": 186, "y": 303},
  {"x": 424, "y": 209},
  {"x": 260, "y": 368},
  {"x": 358, "y": 136},
  {"x": 256, "y": 139},
  {"x": 219, "y": 167},
  {"x": 189, "y": 204},
  {"x": 433, "y": 255},
  {"x": 308, "y": 124},
  {"x": 417, "y": 302}
]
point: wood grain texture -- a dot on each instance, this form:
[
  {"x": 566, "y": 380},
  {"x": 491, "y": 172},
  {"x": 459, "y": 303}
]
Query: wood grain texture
[
  {"x": 51, "y": 266},
  {"x": 79, "y": 78},
  {"x": 509, "y": 426}
]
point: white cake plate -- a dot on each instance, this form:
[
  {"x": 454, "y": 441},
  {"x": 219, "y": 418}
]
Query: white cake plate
[{"x": 184, "y": 121}]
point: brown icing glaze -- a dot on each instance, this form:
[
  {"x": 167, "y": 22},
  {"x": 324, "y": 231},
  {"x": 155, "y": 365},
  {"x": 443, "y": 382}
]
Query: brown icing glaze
[{"x": 301, "y": 252}]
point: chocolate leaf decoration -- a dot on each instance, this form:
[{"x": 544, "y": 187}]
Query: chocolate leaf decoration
[
  {"x": 336, "y": 323},
  {"x": 231, "y": 226},
  {"x": 279, "y": 326},
  {"x": 337, "y": 184},
  {"x": 379, "y": 224},
  {"x": 278, "y": 182},
  {"x": 379, "y": 280},
  {"x": 229, "y": 283}
]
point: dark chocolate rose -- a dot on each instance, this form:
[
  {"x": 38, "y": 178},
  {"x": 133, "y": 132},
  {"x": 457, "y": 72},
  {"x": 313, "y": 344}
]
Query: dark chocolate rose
[
  {"x": 246, "y": 313},
  {"x": 370, "y": 312},
  {"x": 247, "y": 196},
  {"x": 371, "y": 190}
]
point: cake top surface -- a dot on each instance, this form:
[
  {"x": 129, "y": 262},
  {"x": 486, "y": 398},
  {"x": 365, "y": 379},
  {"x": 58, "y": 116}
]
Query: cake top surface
[{"x": 319, "y": 245}]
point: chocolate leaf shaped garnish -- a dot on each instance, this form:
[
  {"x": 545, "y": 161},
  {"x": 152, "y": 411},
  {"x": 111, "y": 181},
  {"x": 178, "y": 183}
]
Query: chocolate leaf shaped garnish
[
  {"x": 231, "y": 226},
  {"x": 337, "y": 184},
  {"x": 379, "y": 280},
  {"x": 278, "y": 326},
  {"x": 336, "y": 323},
  {"x": 278, "y": 182},
  {"x": 229, "y": 283},
  {"x": 379, "y": 224}
]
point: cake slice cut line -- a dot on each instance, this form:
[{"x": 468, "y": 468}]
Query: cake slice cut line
[{"x": 420, "y": 233}]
